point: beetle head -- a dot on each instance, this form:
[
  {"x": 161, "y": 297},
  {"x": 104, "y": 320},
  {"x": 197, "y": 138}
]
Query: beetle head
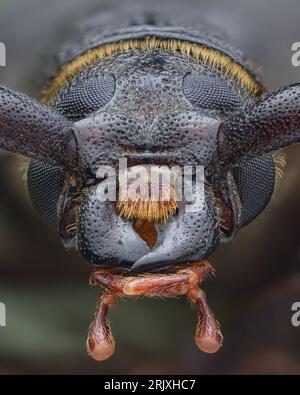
[
  {"x": 149, "y": 122},
  {"x": 151, "y": 109}
]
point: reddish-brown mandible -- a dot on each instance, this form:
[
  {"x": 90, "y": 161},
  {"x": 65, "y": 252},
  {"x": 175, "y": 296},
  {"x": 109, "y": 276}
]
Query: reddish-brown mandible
[{"x": 101, "y": 344}]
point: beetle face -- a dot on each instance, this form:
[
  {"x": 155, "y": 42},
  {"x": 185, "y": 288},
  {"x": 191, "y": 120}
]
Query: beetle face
[
  {"x": 144, "y": 108},
  {"x": 152, "y": 110}
]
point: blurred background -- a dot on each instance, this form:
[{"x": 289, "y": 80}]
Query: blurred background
[{"x": 45, "y": 289}]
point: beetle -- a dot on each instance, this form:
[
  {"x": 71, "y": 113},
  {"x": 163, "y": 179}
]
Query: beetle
[{"x": 155, "y": 95}]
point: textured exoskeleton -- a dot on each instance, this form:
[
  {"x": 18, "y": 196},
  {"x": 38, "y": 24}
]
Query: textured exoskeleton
[{"x": 153, "y": 94}]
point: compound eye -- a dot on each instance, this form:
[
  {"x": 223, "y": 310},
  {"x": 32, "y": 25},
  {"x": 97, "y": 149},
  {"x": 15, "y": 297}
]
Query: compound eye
[
  {"x": 45, "y": 184},
  {"x": 255, "y": 180},
  {"x": 86, "y": 97},
  {"x": 210, "y": 92}
]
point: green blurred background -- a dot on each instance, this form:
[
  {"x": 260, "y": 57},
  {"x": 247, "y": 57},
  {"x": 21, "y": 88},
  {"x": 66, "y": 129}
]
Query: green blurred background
[{"x": 49, "y": 303}]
